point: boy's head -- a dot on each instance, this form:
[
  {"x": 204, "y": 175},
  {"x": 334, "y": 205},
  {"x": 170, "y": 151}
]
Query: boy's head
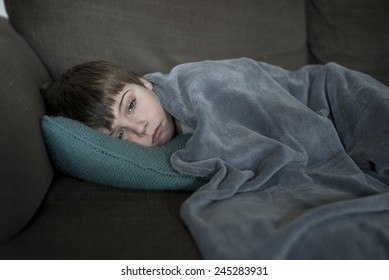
[
  {"x": 111, "y": 99},
  {"x": 86, "y": 92}
]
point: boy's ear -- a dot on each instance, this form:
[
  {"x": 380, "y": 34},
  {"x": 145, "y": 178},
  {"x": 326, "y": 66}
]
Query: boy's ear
[{"x": 146, "y": 83}]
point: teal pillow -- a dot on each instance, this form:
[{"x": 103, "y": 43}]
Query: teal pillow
[{"x": 84, "y": 153}]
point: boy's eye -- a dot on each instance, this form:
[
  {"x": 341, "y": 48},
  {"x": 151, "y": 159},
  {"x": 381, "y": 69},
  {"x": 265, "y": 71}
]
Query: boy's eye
[
  {"x": 120, "y": 134},
  {"x": 131, "y": 106}
]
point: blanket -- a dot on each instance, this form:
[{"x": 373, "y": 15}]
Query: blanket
[{"x": 297, "y": 161}]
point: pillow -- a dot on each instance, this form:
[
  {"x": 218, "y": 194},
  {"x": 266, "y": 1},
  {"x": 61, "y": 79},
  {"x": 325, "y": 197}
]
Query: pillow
[{"x": 84, "y": 153}]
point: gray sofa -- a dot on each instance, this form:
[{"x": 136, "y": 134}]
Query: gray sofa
[{"x": 47, "y": 215}]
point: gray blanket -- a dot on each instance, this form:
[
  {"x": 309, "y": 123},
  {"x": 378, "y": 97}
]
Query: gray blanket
[{"x": 297, "y": 161}]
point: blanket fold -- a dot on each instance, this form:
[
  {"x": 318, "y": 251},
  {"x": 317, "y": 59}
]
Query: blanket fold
[{"x": 293, "y": 158}]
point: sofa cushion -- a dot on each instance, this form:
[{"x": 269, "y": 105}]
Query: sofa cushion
[
  {"x": 25, "y": 172},
  {"x": 149, "y": 36},
  {"x": 354, "y": 33},
  {"x": 83, "y": 221},
  {"x": 82, "y": 152}
]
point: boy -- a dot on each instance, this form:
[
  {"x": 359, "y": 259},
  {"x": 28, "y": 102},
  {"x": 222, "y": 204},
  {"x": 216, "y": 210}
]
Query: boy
[
  {"x": 212, "y": 97},
  {"x": 288, "y": 154},
  {"x": 112, "y": 100}
]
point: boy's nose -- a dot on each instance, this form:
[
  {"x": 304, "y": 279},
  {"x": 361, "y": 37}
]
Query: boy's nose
[{"x": 139, "y": 127}]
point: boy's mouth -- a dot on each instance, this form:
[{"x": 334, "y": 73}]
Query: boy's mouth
[{"x": 157, "y": 133}]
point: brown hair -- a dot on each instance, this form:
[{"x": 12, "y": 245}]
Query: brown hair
[{"x": 86, "y": 92}]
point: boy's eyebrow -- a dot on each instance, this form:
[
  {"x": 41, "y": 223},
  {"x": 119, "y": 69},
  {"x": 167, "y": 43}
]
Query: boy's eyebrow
[
  {"x": 120, "y": 107},
  {"x": 121, "y": 101}
]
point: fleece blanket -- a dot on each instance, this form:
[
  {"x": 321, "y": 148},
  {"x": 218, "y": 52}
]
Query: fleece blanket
[{"x": 297, "y": 161}]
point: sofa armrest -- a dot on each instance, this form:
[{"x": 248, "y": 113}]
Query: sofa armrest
[{"x": 25, "y": 172}]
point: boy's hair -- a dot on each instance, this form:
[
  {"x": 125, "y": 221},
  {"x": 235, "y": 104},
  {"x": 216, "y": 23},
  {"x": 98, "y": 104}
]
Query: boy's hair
[{"x": 86, "y": 92}]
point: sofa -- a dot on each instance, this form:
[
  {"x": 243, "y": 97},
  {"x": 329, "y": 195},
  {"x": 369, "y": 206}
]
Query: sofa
[{"x": 46, "y": 214}]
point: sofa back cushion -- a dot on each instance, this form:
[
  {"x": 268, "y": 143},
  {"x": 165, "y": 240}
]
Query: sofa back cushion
[
  {"x": 149, "y": 35},
  {"x": 25, "y": 172},
  {"x": 354, "y": 33}
]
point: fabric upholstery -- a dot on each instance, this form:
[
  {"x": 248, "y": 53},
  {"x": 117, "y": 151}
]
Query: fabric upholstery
[
  {"x": 25, "y": 172},
  {"x": 81, "y": 220},
  {"x": 149, "y": 36},
  {"x": 354, "y": 33}
]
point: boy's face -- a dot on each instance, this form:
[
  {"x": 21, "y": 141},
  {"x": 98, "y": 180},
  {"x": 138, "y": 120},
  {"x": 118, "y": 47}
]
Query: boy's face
[{"x": 140, "y": 118}]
